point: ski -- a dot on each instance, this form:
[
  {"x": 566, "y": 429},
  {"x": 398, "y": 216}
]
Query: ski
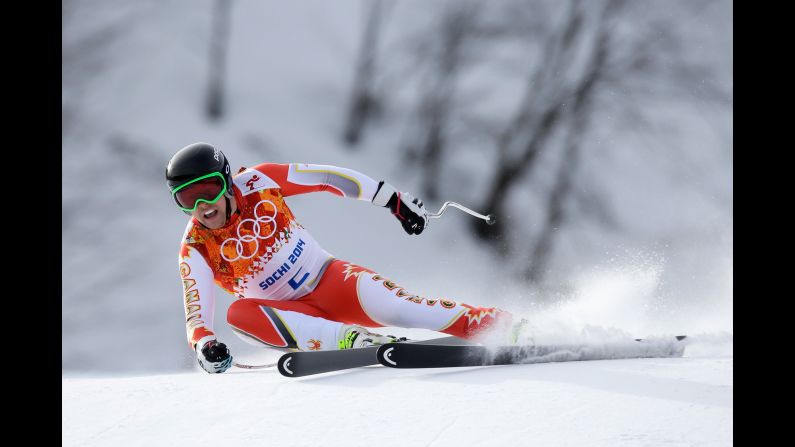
[
  {"x": 305, "y": 363},
  {"x": 403, "y": 355}
]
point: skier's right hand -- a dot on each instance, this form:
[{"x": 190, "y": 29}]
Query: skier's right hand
[
  {"x": 407, "y": 209},
  {"x": 213, "y": 356}
]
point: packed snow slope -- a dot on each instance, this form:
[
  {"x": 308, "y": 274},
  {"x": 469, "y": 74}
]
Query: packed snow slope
[{"x": 669, "y": 401}]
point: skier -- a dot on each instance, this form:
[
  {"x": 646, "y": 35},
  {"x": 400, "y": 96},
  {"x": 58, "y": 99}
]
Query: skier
[{"x": 291, "y": 293}]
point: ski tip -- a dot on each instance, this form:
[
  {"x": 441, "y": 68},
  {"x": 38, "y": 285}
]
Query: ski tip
[
  {"x": 284, "y": 365},
  {"x": 385, "y": 355}
]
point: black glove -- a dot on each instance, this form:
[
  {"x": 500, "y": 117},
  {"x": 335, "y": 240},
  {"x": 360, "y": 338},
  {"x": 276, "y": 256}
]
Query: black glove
[
  {"x": 213, "y": 356},
  {"x": 407, "y": 209}
]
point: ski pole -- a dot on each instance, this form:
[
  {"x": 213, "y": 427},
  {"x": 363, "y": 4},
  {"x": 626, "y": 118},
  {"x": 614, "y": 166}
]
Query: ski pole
[
  {"x": 490, "y": 219},
  {"x": 240, "y": 365}
]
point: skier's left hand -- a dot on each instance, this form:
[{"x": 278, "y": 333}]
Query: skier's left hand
[
  {"x": 213, "y": 356},
  {"x": 407, "y": 209}
]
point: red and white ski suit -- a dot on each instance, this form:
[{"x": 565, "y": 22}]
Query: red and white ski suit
[{"x": 290, "y": 292}]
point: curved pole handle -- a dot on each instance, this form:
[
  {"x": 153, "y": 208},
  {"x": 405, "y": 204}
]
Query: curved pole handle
[{"x": 490, "y": 219}]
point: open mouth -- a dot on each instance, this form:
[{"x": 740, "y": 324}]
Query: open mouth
[{"x": 210, "y": 214}]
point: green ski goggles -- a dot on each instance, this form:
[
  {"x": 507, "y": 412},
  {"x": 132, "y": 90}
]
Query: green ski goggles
[{"x": 207, "y": 188}]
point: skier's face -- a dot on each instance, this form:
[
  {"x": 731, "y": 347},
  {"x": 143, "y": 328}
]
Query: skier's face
[{"x": 212, "y": 215}]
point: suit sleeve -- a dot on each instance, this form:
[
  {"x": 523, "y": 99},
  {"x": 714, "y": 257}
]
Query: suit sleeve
[
  {"x": 300, "y": 178},
  {"x": 199, "y": 294}
]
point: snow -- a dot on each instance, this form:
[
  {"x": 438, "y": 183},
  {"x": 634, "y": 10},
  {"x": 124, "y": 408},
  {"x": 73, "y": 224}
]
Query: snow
[{"x": 673, "y": 401}]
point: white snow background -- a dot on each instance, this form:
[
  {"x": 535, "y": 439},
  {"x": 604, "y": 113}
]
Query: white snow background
[{"x": 128, "y": 375}]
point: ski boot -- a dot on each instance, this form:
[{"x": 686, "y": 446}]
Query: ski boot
[
  {"x": 353, "y": 337},
  {"x": 520, "y": 333}
]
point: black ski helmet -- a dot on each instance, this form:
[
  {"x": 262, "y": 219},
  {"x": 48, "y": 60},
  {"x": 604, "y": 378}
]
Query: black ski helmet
[{"x": 194, "y": 161}]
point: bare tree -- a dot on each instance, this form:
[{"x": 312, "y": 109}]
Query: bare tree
[
  {"x": 219, "y": 44},
  {"x": 538, "y": 116},
  {"x": 583, "y": 62},
  {"x": 446, "y": 56},
  {"x": 364, "y": 102},
  {"x": 580, "y": 115},
  {"x": 625, "y": 67}
]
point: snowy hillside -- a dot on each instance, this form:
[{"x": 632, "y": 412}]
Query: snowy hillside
[
  {"x": 678, "y": 402},
  {"x": 137, "y": 101},
  {"x": 135, "y": 75}
]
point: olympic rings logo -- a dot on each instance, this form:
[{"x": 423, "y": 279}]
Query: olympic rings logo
[{"x": 256, "y": 227}]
